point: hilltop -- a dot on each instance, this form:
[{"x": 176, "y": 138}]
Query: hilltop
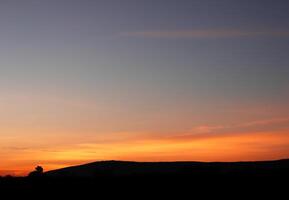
[
  {"x": 159, "y": 179},
  {"x": 130, "y": 169}
]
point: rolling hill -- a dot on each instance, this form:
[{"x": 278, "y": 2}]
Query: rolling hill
[
  {"x": 131, "y": 180},
  {"x": 178, "y": 169}
]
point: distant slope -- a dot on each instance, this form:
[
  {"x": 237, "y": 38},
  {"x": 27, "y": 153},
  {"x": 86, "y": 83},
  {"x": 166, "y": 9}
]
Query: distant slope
[{"x": 126, "y": 169}]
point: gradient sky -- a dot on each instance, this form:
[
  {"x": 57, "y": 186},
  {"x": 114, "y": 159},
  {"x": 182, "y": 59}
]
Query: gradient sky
[{"x": 145, "y": 80}]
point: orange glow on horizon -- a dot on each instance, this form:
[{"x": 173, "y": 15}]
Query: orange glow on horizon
[{"x": 194, "y": 147}]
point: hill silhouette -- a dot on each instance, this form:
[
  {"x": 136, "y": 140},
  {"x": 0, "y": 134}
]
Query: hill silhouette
[
  {"x": 156, "y": 179},
  {"x": 196, "y": 169}
]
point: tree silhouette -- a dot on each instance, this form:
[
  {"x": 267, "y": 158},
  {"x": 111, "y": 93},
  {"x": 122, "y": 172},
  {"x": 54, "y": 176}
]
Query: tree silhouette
[
  {"x": 37, "y": 172},
  {"x": 39, "y": 169}
]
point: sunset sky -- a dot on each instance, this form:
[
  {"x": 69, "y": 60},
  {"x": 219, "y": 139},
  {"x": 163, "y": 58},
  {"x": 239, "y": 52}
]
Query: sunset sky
[{"x": 142, "y": 80}]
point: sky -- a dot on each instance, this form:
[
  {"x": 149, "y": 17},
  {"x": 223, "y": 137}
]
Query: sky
[{"x": 142, "y": 80}]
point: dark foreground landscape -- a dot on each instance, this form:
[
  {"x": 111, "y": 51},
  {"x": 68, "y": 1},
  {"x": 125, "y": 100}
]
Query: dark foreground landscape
[{"x": 119, "y": 178}]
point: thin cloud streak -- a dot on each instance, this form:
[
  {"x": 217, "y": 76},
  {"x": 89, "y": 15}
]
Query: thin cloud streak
[
  {"x": 266, "y": 122},
  {"x": 252, "y": 124},
  {"x": 211, "y": 33}
]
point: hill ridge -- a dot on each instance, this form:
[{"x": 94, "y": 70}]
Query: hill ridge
[{"x": 128, "y": 168}]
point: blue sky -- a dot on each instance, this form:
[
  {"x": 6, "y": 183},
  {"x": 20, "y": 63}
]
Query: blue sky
[{"x": 205, "y": 53}]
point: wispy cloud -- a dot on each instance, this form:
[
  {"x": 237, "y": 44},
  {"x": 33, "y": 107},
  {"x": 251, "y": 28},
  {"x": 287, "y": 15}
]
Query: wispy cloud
[
  {"x": 238, "y": 127},
  {"x": 208, "y": 33},
  {"x": 207, "y": 128},
  {"x": 266, "y": 122}
]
